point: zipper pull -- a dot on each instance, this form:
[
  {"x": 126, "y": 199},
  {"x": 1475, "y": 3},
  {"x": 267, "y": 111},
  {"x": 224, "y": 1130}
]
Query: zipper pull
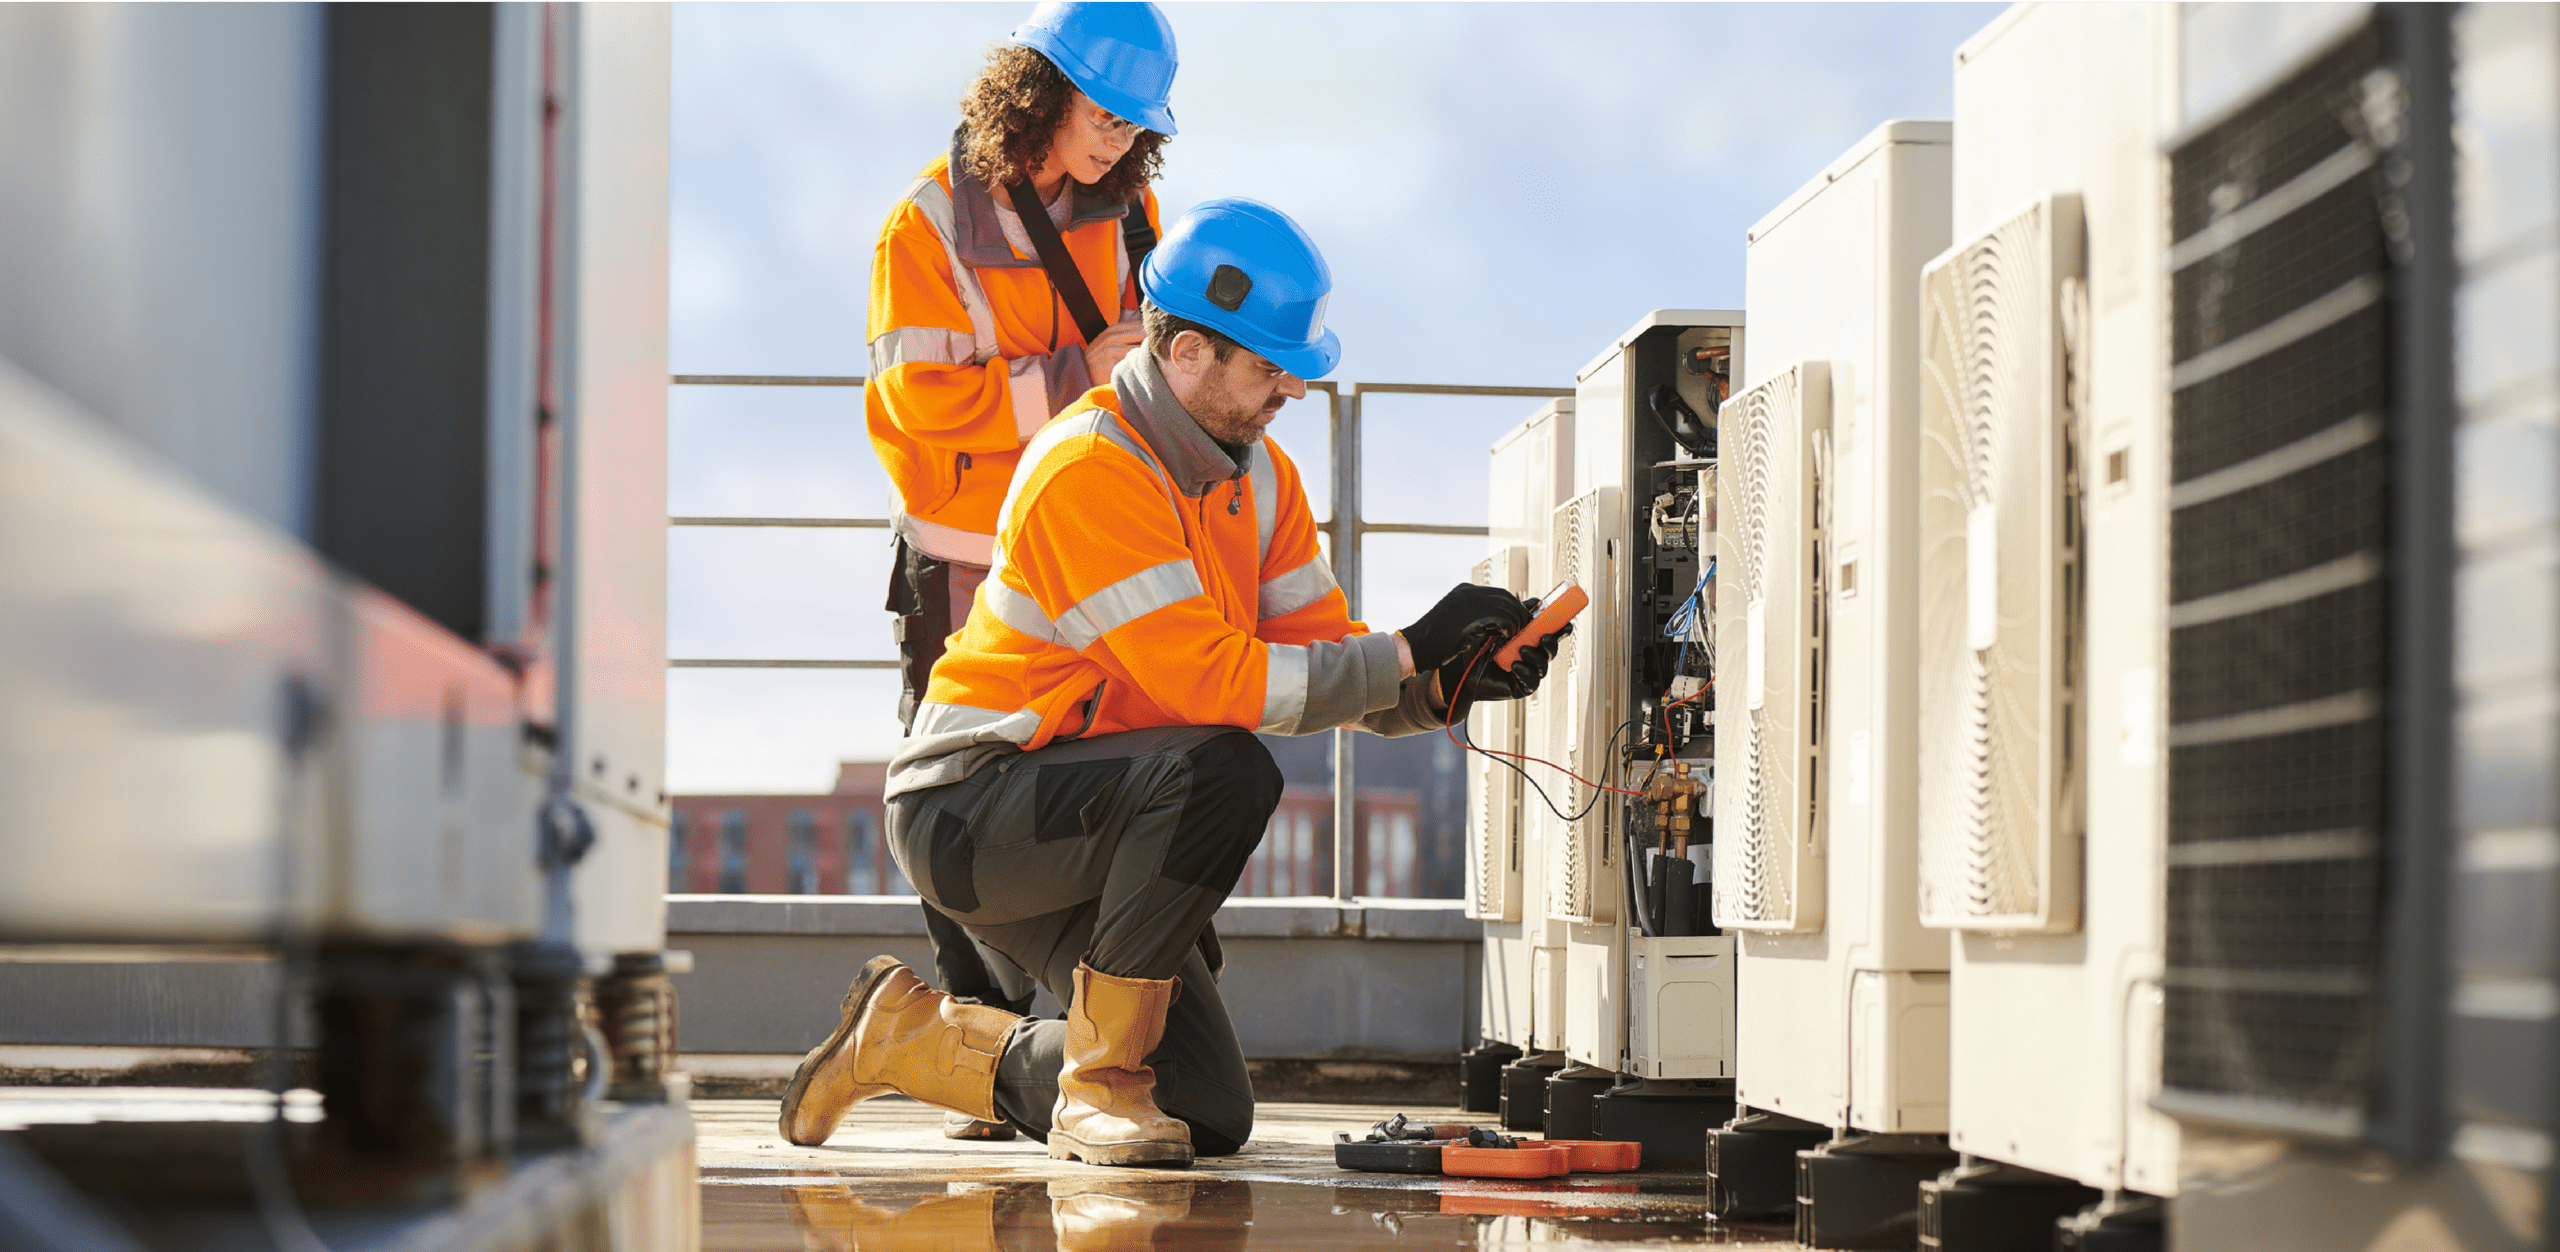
[{"x": 1235, "y": 502}]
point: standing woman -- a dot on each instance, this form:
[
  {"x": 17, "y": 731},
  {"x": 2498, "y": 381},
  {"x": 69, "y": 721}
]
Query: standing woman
[{"x": 1002, "y": 289}]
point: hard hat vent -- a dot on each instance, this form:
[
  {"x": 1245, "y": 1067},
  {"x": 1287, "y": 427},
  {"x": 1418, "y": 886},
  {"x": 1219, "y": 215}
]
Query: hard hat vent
[{"x": 1228, "y": 287}]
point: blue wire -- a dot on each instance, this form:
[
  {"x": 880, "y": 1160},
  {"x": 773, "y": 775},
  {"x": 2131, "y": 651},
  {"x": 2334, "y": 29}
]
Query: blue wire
[{"x": 1685, "y": 618}]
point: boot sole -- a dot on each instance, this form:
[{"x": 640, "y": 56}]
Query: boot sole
[
  {"x": 1065, "y": 1147},
  {"x": 849, "y": 1012}
]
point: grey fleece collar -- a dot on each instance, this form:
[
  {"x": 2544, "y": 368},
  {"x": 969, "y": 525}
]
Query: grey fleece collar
[
  {"x": 1191, "y": 458},
  {"x": 973, "y": 214}
]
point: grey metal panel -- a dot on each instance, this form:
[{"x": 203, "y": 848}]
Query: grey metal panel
[
  {"x": 612, "y": 595},
  {"x": 432, "y": 806},
  {"x": 159, "y": 227},
  {"x": 153, "y": 643},
  {"x": 212, "y": 1004},
  {"x": 400, "y": 450},
  {"x": 157, "y": 650},
  {"x": 515, "y": 310}
]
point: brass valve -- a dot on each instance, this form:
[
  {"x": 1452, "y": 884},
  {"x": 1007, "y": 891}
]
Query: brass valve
[{"x": 1674, "y": 796}]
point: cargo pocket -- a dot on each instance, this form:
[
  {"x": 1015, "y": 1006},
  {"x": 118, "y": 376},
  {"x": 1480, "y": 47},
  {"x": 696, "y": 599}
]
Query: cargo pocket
[{"x": 1073, "y": 797}]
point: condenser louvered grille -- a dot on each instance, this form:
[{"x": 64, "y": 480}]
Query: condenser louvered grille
[
  {"x": 2309, "y": 780},
  {"x": 2298, "y": 390},
  {"x": 2268, "y": 274},
  {"x": 2284, "y": 655},
  {"x": 2321, "y": 513},
  {"x": 2279, "y": 613}
]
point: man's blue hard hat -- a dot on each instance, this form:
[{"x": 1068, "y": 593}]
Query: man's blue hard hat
[
  {"x": 1119, "y": 54},
  {"x": 1242, "y": 268}
]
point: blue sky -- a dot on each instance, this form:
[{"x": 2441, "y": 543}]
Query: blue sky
[{"x": 1499, "y": 188}]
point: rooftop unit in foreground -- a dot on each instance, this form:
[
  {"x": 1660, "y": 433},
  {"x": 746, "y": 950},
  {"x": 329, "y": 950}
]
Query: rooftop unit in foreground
[
  {"x": 331, "y": 584},
  {"x": 1842, "y": 1003}
]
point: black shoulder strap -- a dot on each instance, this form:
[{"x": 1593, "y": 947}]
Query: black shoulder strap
[
  {"x": 1139, "y": 234},
  {"x": 1054, "y": 259}
]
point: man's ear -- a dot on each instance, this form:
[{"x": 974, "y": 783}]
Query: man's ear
[{"x": 1185, "y": 351}]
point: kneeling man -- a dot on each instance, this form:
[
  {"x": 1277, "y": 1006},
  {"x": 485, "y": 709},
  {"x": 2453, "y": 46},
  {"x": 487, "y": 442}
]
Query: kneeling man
[{"x": 1080, "y": 789}]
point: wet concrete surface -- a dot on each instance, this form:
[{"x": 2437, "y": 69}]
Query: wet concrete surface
[{"x": 888, "y": 1179}]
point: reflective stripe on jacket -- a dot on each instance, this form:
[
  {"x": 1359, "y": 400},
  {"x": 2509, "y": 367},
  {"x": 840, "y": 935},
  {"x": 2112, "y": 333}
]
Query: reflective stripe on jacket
[
  {"x": 1145, "y": 578},
  {"x": 972, "y": 350}
]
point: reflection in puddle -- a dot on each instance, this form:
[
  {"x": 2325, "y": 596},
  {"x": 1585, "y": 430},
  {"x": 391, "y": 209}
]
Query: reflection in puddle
[{"x": 807, "y": 1212}]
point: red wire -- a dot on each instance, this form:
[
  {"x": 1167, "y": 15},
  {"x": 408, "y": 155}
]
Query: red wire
[{"x": 1448, "y": 726}]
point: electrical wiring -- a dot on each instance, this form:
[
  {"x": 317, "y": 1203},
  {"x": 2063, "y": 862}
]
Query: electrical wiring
[
  {"x": 1666, "y": 708},
  {"x": 1684, "y": 625},
  {"x": 1448, "y": 727}
]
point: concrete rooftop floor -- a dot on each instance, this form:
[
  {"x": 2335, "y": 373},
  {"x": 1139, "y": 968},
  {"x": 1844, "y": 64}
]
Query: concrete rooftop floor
[{"x": 888, "y": 1179}]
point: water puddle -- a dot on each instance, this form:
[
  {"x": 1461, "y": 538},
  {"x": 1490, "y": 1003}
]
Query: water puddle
[{"x": 802, "y": 1210}]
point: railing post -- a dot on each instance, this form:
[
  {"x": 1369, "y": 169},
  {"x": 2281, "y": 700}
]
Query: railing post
[{"x": 1346, "y": 571}]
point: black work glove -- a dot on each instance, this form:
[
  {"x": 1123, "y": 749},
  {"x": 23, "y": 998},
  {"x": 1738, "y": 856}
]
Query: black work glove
[
  {"x": 1469, "y": 678},
  {"x": 1468, "y": 615}
]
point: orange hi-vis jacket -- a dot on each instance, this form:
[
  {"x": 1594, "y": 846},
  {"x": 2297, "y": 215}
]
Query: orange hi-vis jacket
[
  {"x": 1144, "y": 577},
  {"x": 972, "y": 350}
]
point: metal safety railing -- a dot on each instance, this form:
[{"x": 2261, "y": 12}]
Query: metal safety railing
[{"x": 1347, "y": 529}]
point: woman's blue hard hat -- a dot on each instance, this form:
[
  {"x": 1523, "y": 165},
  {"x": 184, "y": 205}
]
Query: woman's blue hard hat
[
  {"x": 1243, "y": 269},
  {"x": 1119, "y": 54}
]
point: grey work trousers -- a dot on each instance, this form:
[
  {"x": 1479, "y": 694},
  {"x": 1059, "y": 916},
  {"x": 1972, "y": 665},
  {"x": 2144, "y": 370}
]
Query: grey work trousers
[
  {"x": 1114, "y": 851},
  {"x": 932, "y": 598}
]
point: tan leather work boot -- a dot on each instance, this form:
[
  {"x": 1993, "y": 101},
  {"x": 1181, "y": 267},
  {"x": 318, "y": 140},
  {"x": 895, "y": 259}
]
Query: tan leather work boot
[
  {"x": 1106, "y": 1112},
  {"x": 897, "y": 1034}
]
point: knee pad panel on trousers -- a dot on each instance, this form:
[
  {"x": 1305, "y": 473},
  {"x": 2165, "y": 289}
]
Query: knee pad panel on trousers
[
  {"x": 1219, "y": 1112},
  {"x": 1235, "y": 787}
]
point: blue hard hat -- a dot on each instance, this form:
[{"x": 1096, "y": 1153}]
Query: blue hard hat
[
  {"x": 1244, "y": 269},
  {"x": 1119, "y": 54}
]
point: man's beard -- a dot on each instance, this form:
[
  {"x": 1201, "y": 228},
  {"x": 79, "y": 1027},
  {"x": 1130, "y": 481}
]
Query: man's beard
[{"x": 1230, "y": 420}]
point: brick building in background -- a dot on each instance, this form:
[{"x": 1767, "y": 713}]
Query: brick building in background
[
  {"x": 827, "y": 844},
  {"x": 1411, "y": 807}
]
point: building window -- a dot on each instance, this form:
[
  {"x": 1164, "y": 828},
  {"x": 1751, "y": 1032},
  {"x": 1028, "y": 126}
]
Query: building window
[
  {"x": 804, "y": 853},
  {"x": 1404, "y": 857},
  {"x": 733, "y": 851},
  {"x": 860, "y": 831},
  {"x": 1377, "y": 855},
  {"x": 676, "y": 851}
]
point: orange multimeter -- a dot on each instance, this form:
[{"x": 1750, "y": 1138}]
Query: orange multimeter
[{"x": 1555, "y": 609}]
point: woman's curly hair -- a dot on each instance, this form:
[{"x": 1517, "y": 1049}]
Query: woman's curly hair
[{"x": 1012, "y": 113}]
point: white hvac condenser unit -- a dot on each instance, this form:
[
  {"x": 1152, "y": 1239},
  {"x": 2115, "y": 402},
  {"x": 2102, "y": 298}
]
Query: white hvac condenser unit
[
  {"x": 1532, "y": 473},
  {"x": 2042, "y": 477},
  {"x": 1842, "y": 991},
  {"x": 1602, "y": 968},
  {"x": 1647, "y": 986},
  {"x": 2361, "y": 671}
]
